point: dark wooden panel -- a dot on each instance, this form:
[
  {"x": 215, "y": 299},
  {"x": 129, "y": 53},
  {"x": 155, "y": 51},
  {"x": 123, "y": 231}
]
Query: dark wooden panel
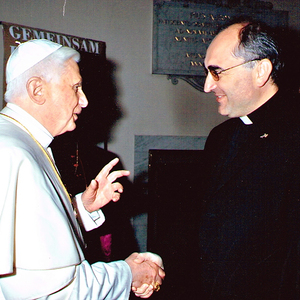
[{"x": 175, "y": 180}]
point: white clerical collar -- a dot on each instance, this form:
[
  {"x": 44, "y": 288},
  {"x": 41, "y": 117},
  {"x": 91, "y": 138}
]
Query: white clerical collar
[{"x": 246, "y": 120}]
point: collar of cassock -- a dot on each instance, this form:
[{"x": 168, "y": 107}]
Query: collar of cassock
[{"x": 246, "y": 120}]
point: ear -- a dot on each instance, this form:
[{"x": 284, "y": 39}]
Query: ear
[
  {"x": 36, "y": 90},
  {"x": 263, "y": 71}
]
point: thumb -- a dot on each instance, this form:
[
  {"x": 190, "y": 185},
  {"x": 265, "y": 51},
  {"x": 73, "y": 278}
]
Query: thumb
[
  {"x": 139, "y": 259},
  {"x": 90, "y": 190}
]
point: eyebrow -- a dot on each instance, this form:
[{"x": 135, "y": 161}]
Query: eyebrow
[
  {"x": 78, "y": 83},
  {"x": 213, "y": 67}
]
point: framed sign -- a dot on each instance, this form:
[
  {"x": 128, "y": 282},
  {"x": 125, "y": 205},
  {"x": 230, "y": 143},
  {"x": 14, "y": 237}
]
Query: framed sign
[{"x": 182, "y": 32}]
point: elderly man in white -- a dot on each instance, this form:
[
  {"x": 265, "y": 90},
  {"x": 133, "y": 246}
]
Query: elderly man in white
[{"x": 41, "y": 243}]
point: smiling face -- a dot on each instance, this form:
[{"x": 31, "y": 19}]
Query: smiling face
[
  {"x": 235, "y": 91},
  {"x": 65, "y": 100}
]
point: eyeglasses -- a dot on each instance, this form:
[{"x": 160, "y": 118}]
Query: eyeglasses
[{"x": 215, "y": 74}]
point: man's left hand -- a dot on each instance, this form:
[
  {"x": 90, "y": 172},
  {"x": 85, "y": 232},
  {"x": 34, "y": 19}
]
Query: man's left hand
[{"x": 103, "y": 188}]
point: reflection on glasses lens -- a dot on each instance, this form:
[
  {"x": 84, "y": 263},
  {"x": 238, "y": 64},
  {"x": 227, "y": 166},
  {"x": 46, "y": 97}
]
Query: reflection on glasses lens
[{"x": 214, "y": 74}]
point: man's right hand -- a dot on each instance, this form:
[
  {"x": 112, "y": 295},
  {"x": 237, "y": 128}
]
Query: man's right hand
[{"x": 147, "y": 273}]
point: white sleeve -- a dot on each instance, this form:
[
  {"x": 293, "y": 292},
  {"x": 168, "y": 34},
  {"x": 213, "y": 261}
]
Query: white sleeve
[
  {"x": 110, "y": 281},
  {"x": 92, "y": 220},
  {"x": 91, "y": 282}
]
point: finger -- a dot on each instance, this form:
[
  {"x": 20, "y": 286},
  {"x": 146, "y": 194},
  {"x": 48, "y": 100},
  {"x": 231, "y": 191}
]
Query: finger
[
  {"x": 144, "y": 256},
  {"x": 158, "y": 281},
  {"x": 141, "y": 289},
  {"x": 148, "y": 292},
  {"x": 117, "y": 174},
  {"x": 156, "y": 259},
  {"x": 115, "y": 197},
  {"x": 145, "y": 291},
  {"x": 149, "y": 256},
  {"x": 146, "y": 295},
  {"x": 161, "y": 273},
  {"x": 117, "y": 187},
  {"x": 107, "y": 168},
  {"x": 139, "y": 259}
]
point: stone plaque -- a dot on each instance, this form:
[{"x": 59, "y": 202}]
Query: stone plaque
[{"x": 183, "y": 31}]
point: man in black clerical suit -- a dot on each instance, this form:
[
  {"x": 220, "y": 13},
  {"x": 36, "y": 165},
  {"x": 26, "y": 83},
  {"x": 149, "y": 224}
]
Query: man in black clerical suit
[{"x": 249, "y": 225}]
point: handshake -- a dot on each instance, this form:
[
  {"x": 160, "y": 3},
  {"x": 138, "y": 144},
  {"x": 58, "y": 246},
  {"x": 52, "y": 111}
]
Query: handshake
[
  {"x": 147, "y": 273},
  {"x": 146, "y": 268}
]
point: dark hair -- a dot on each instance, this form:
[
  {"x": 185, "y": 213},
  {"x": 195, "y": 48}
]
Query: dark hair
[{"x": 258, "y": 41}]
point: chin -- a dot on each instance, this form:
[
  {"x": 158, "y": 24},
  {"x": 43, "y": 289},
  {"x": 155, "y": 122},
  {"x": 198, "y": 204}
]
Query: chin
[
  {"x": 70, "y": 127},
  {"x": 223, "y": 112}
]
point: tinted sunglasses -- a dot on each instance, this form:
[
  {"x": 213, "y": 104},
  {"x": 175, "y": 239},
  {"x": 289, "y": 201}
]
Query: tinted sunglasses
[{"x": 215, "y": 74}]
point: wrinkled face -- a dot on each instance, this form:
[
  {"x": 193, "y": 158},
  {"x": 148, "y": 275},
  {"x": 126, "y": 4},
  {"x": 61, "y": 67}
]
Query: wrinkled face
[
  {"x": 235, "y": 90},
  {"x": 65, "y": 100}
]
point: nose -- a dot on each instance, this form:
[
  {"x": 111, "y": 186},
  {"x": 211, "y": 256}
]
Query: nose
[
  {"x": 210, "y": 83},
  {"x": 83, "y": 102}
]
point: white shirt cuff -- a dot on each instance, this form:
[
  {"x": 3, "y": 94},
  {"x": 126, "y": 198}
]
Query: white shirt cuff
[{"x": 92, "y": 220}]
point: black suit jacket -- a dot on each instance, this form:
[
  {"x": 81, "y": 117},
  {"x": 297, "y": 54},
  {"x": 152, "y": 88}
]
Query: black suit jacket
[{"x": 249, "y": 231}]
